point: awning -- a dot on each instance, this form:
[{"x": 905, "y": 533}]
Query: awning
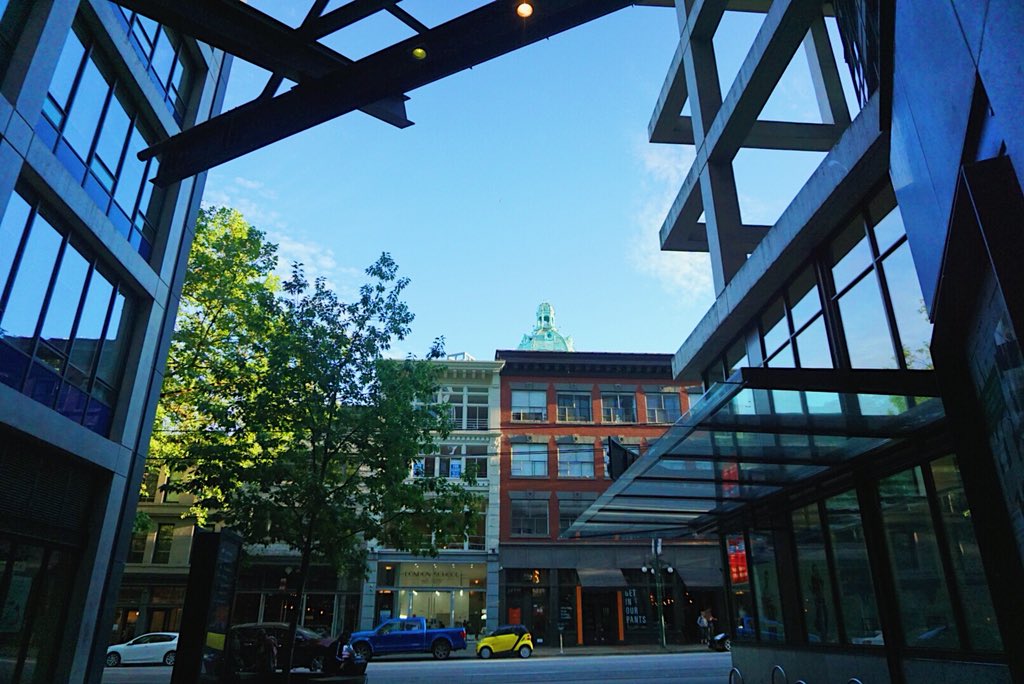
[
  {"x": 764, "y": 431},
  {"x": 601, "y": 578}
]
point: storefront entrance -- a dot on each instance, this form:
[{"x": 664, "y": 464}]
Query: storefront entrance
[{"x": 600, "y": 617}]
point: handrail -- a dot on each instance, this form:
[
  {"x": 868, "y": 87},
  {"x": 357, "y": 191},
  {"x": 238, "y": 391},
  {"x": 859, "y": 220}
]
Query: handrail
[
  {"x": 735, "y": 671},
  {"x": 778, "y": 668}
]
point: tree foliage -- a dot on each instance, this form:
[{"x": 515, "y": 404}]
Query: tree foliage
[{"x": 283, "y": 417}]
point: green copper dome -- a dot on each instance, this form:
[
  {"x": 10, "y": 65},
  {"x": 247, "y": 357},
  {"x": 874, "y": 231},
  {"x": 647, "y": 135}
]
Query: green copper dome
[{"x": 545, "y": 336}]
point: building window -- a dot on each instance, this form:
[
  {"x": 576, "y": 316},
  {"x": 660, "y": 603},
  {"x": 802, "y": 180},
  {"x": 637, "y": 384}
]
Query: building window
[
  {"x": 877, "y": 291},
  {"x": 64, "y": 320},
  {"x": 529, "y": 405},
  {"x": 149, "y": 485},
  {"x": 170, "y": 496},
  {"x": 529, "y": 460},
  {"x": 529, "y": 517},
  {"x": 468, "y": 406},
  {"x": 93, "y": 128},
  {"x": 138, "y": 548},
  {"x": 574, "y": 407},
  {"x": 663, "y": 407},
  {"x": 618, "y": 408},
  {"x": 163, "y": 55},
  {"x": 576, "y": 461},
  {"x": 858, "y": 605},
  {"x": 455, "y": 461},
  {"x": 814, "y": 577},
  {"x": 164, "y": 540},
  {"x": 569, "y": 510}
]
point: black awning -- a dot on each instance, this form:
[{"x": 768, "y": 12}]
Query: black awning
[{"x": 601, "y": 578}]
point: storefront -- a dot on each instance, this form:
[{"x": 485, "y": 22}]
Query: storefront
[
  {"x": 266, "y": 594},
  {"x": 608, "y": 599},
  {"x": 448, "y": 593}
]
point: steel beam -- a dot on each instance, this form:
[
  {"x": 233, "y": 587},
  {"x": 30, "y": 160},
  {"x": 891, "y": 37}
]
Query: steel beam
[
  {"x": 466, "y": 41},
  {"x": 255, "y": 37}
]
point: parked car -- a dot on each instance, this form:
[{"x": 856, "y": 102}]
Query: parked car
[
  {"x": 506, "y": 640},
  {"x": 408, "y": 635},
  {"x": 244, "y": 651},
  {"x": 155, "y": 647}
]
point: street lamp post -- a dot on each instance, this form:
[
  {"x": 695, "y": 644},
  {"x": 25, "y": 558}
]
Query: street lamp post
[{"x": 655, "y": 569}]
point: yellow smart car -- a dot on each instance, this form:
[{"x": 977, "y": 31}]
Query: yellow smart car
[{"x": 506, "y": 640}]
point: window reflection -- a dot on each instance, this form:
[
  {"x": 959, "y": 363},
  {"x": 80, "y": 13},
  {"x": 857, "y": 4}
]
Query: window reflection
[
  {"x": 865, "y": 325},
  {"x": 25, "y": 302},
  {"x": 82, "y": 316},
  {"x": 853, "y": 570},
  {"x": 766, "y": 582},
  {"x": 966, "y": 560},
  {"x": 90, "y": 124},
  {"x": 815, "y": 583},
  {"x": 924, "y": 603},
  {"x": 908, "y": 306},
  {"x": 812, "y": 346},
  {"x": 851, "y": 255}
]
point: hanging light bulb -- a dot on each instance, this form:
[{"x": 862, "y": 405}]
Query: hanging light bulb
[
  {"x": 524, "y": 9},
  {"x": 419, "y": 53}
]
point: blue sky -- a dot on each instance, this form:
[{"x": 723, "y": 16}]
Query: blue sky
[{"x": 526, "y": 179}]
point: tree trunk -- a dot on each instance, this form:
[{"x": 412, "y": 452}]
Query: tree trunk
[{"x": 300, "y": 590}]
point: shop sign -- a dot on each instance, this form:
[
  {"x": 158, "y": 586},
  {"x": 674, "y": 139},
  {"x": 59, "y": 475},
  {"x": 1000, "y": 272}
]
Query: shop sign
[
  {"x": 634, "y": 616},
  {"x": 441, "y": 574}
]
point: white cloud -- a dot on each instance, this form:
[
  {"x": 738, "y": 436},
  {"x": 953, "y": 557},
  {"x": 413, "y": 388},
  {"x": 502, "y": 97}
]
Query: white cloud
[
  {"x": 255, "y": 201},
  {"x": 681, "y": 274}
]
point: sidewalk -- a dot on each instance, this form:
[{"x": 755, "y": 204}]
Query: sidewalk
[{"x": 546, "y": 651}]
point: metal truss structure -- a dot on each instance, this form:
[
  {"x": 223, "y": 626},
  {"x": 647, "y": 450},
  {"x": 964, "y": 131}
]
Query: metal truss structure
[{"x": 328, "y": 84}]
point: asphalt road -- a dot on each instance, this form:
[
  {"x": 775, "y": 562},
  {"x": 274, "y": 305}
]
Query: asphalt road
[{"x": 684, "y": 668}]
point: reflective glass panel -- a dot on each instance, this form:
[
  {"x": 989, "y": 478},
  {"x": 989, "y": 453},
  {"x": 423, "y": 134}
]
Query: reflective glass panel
[
  {"x": 90, "y": 324},
  {"x": 11, "y": 229},
  {"x": 775, "y": 327},
  {"x": 963, "y": 549},
  {"x": 67, "y": 293},
  {"x": 29, "y": 288},
  {"x": 739, "y": 581},
  {"x": 52, "y": 587},
  {"x": 67, "y": 69},
  {"x": 815, "y": 584},
  {"x": 908, "y": 306},
  {"x": 889, "y": 230},
  {"x": 766, "y": 581},
  {"x": 116, "y": 338},
  {"x": 112, "y": 138},
  {"x": 914, "y": 553},
  {"x": 783, "y": 359},
  {"x": 86, "y": 110},
  {"x": 856, "y": 588},
  {"x": 866, "y": 327},
  {"x": 851, "y": 254},
  {"x": 803, "y": 298},
  {"x": 812, "y": 346}
]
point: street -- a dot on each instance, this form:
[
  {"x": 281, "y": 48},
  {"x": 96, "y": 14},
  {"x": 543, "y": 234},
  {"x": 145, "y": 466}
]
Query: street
[{"x": 687, "y": 668}]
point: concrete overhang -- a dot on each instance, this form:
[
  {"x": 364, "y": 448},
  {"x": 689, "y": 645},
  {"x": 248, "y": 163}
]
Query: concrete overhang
[{"x": 854, "y": 167}]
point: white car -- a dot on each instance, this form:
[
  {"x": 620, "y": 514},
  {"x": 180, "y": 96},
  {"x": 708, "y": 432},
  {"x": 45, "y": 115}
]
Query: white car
[{"x": 156, "y": 647}]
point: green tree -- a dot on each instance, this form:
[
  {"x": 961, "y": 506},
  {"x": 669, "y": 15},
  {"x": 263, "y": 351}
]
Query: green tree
[{"x": 298, "y": 430}]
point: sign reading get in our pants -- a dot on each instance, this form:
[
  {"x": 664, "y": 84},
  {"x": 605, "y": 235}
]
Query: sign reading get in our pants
[{"x": 633, "y": 612}]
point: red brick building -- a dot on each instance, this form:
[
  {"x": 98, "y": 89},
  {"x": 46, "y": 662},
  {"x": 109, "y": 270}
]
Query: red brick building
[{"x": 558, "y": 411}]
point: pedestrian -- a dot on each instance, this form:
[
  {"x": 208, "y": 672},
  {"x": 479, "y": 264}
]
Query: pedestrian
[
  {"x": 702, "y": 626},
  {"x": 266, "y": 649}
]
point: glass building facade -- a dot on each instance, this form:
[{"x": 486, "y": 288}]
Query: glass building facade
[
  {"x": 858, "y": 444},
  {"x": 89, "y": 263}
]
